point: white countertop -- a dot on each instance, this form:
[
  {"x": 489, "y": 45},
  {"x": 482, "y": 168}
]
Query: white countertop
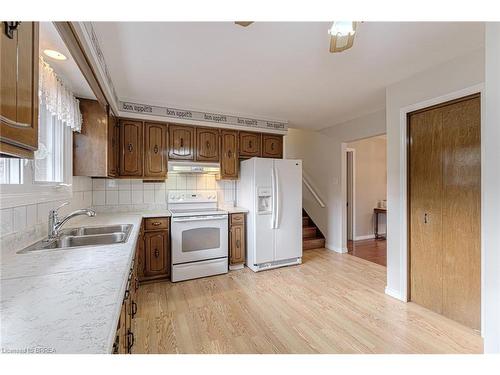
[
  {"x": 234, "y": 209},
  {"x": 69, "y": 300}
]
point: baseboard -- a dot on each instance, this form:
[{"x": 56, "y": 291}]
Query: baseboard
[
  {"x": 394, "y": 294},
  {"x": 366, "y": 237},
  {"x": 336, "y": 249}
]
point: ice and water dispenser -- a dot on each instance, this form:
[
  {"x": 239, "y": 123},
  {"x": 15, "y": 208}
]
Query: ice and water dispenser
[{"x": 264, "y": 199}]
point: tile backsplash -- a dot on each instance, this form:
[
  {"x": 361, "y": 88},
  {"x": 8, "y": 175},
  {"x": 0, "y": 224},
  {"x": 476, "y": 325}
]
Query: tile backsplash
[
  {"x": 25, "y": 224},
  {"x": 127, "y": 195}
]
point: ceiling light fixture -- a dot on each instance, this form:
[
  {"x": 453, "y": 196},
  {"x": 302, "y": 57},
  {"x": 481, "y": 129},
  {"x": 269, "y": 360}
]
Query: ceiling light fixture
[
  {"x": 54, "y": 54},
  {"x": 342, "y": 35}
]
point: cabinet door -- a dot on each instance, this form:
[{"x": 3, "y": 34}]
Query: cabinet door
[
  {"x": 140, "y": 254},
  {"x": 131, "y": 148},
  {"x": 207, "y": 141},
  {"x": 113, "y": 137},
  {"x": 229, "y": 160},
  {"x": 237, "y": 255},
  {"x": 272, "y": 146},
  {"x": 181, "y": 142},
  {"x": 157, "y": 257},
  {"x": 155, "y": 144},
  {"x": 19, "y": 90},
  {"x": 250, "y": 144}
]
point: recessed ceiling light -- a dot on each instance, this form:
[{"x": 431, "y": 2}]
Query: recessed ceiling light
[{"x": 54, "y": 54}]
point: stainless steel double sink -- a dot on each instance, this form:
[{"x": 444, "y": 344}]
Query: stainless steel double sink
[{"x": 84, "y": 236}]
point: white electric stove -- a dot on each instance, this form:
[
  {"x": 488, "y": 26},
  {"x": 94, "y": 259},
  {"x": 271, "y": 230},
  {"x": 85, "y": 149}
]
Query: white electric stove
[{"x": 199, "y": 234}]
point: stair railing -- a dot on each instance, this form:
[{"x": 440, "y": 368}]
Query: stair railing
[{"x": 308, "y": 184}]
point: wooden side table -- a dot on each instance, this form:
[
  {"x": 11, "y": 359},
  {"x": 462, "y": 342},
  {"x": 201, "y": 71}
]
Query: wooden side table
[{"x": 377, "y": 212}]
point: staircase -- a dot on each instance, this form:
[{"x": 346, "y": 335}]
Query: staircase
[{"x": 312, "y": 238}]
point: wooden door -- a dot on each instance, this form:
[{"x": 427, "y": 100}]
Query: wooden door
[
  {"x": 229, "y": 157},
  {"x": 207, "y": 144},
  {"x": 462, "y": 212},
  {"x": 19, "y": 90},
  {"x": 113, "y": 138},
  {"x": 272, "y": 146},
  {"x": 425, "y": 199},
  {"x": 250, "y": 144},
  {"x": 156, "y": 244},
  {"x": 237, "y": 243},
  {"x": 131, "y": 148},
  {"x": 181, "y": 142},
  {"x": 444, "y": 208},
  {"x": 155, "y": 148}
]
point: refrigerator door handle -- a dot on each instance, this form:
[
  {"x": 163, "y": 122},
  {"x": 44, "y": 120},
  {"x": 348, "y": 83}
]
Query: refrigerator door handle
[
  {"x": 273, "y": 197},
  {"x": 278, "y": 197}
]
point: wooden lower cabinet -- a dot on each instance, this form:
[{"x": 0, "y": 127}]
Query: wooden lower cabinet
[
  {"x": 125, "y": 338},
  {"x": 237, "y": 249},
  {"x": 154, "y": 256}
]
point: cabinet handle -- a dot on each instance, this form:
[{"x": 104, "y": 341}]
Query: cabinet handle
[
  {"x": 272, "y": 145},
  {"x": 134, "y": 309},
  {"x": 130, "y": 340},
  {"x": 10, "y": 27},
  {"x": 127, "y": 294},
  {"x": 250, "y": 144},
  {"x": 182, "y": 142},
  {"x": 155, "y": 149},
  {"x": 156, "y": 223},
  {"x": 238, "y": 244},
  {"x": 208, "y": 144},
  {"x": 130, "y": 147},
  {"x": 425, "y": 218},
  {"x": 229, "y": 153},
  {"x": 157, "y": 253}
]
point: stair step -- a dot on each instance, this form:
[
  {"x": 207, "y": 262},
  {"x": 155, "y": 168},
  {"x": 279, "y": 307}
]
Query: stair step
[
  {"x": 309, "y": 232},
  {"x": 313, "y": 243}
]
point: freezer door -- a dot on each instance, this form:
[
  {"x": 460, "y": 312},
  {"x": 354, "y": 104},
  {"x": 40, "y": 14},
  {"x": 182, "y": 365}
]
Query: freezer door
[
  {"x": 264, "y": 234},
  {"x": 288, "y": 232}
]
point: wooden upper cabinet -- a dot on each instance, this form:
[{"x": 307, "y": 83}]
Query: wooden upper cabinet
[
  {"x": 113, "y": 149},
  {"x": 250, "y": 144},
  {"x": 155, "y": 150},
  {"x": 131, "y": 148},
  {"x": 181, "y": 143},
  {"x": 95, "y": 147},
  {"x": 229, "y": 158},
  {"x": 19, "y": 90},
  {"x": 272, "y": 146},
  {"x": 207, "y": 141}
]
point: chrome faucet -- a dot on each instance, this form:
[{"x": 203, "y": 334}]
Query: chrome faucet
[{"x": 55, "y": 224}]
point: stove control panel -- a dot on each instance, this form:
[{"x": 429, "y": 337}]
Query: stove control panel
[{"x": 192, "y": 196}]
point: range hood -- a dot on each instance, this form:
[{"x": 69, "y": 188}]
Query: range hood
[{"x": 188, "y": 167}]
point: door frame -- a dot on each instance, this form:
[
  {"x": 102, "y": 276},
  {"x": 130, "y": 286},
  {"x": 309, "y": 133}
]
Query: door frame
[
  {"x": 404, "y": 186},
  {"x": 353, "y": 203}
]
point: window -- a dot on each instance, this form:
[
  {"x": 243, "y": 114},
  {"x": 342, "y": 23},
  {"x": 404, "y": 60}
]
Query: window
[{"x": 49, "y": 176}]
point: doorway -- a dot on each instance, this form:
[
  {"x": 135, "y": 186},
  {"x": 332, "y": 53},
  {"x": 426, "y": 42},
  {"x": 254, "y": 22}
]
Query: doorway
[
  {"x": 365, "y": 197},
  {"x": 444, "y": 208}
]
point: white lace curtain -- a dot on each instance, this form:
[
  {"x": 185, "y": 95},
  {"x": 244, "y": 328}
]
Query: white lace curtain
[{"x": 59, "y": 101}]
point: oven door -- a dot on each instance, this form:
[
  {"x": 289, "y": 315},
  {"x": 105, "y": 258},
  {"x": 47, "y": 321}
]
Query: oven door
[{"x": 197, "y": 238}]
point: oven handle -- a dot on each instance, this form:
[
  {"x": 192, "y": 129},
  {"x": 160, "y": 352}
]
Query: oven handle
[{"x": 199, "y": 218}]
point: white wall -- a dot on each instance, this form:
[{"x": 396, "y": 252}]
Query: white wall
[
  {"x": 370, "y": 183},
  {"x": 491, "y": 187},
  {"x": 324, "y": 162},
  {"x": 439, "y": 81}
]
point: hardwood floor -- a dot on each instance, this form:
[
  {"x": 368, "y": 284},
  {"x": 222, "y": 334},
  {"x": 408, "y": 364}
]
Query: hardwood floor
[
  {"x": 371, "y": 250},
  {"x": 332, "y": 303}
]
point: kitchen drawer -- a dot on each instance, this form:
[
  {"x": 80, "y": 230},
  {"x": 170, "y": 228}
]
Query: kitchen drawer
[
  {"x": 237, "y": 219},
  {"x": 156, "y": 223}
]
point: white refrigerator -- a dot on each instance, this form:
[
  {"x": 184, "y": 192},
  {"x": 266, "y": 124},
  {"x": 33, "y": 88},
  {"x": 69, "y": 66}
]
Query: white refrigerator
[{"x": 271, "y": 189}]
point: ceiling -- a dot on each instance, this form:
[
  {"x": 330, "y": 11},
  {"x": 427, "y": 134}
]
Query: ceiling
[
  {"x": 275, "y": 70},
  {"x": 67, "y": 70}
]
